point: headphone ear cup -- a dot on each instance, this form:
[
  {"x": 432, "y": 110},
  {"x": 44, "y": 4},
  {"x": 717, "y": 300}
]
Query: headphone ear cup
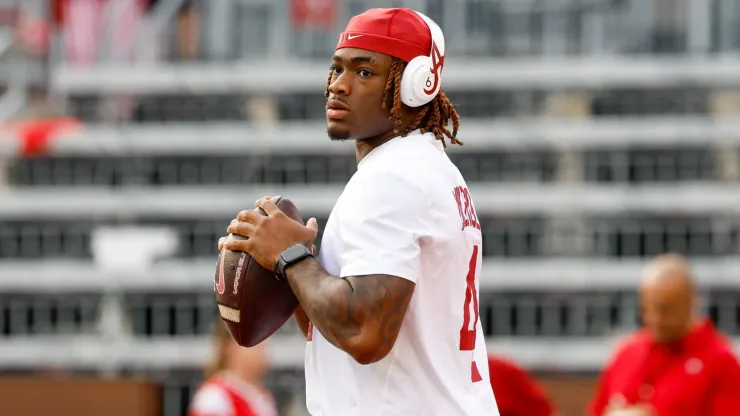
[{"x": 414, "y": 81}]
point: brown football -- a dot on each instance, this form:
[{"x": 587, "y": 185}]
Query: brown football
[{"x": 252, "y": 301}]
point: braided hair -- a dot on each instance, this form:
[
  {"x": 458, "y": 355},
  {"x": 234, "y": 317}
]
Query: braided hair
[{"x": 433, "y": 117}]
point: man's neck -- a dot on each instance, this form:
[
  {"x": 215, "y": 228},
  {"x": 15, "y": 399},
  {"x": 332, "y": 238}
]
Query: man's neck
[{"x": 365, "y": 146}]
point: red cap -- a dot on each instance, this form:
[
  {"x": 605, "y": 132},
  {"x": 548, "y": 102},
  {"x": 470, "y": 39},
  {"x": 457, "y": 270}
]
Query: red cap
[{"x": 400, "y": 33}]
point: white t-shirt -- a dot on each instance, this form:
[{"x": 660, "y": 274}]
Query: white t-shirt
[{"x": 407, "y": 213}]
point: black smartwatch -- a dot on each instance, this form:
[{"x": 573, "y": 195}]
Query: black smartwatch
[{"x": 291, "y": 256}]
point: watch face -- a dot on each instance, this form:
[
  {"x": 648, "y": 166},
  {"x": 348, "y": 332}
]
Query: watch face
[{"x": 294, "y": 253}]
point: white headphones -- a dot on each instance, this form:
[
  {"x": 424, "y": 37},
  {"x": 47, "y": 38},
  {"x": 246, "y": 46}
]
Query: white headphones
[{"x": 422, "y": 78}]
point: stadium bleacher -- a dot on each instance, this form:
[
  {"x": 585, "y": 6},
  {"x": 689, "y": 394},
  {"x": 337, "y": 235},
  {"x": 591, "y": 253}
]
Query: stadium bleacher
[{"x": 598, "y": 133}]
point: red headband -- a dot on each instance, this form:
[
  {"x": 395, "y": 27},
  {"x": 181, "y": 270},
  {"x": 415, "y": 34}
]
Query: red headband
[{"x": 400, "y": 33}]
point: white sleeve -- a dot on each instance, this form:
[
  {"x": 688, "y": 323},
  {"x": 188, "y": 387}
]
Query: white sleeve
[
  {"x": 381, "y": 225},
  {"x": 211, "y": 401}
]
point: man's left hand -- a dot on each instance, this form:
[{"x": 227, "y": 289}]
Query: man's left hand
[{"x": 268, "y": 236}]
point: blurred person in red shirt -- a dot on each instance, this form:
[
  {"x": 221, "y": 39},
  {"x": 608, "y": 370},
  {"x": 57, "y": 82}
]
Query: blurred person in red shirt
[
  {"x": 517, "y": 392},
  {"x": 86, "y": 24},
  {"x": 234, "y": 381},
  {"x": 679, "y": 364}
]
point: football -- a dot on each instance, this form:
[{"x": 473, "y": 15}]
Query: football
[{"x": 252, "y": 301}]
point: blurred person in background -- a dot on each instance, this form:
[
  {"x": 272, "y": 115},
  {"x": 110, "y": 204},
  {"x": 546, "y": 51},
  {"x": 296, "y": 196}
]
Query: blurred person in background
[
  {"x": 517, "y": 392},
  {"x": 679, "y": 364},
  {"x": 95, "y": 30},
  {"x": 109, "y": 31},
  {"x": 187, "y": 29},
  {"x": 233, "y": 385}
]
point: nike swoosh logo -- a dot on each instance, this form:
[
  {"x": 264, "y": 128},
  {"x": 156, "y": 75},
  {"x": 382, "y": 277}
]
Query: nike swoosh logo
[
  {"x": 221, "y": 286},
  {"x": 350, "y": 37}
]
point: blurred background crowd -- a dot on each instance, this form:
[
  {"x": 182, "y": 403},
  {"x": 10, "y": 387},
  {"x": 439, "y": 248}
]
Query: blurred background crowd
[{"x": 598, "y": 134}]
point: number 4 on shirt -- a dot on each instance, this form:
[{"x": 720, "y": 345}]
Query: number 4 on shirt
[{"x": 467, "y": 335}]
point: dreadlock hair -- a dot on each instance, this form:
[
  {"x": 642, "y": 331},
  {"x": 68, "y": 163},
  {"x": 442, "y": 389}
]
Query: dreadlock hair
[{"x": 433, "y": 117}]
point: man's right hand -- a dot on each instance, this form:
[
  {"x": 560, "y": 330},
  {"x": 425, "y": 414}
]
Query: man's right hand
[
  {"x": 618, "y": 406},
  {"x": 638, "y": 410}
]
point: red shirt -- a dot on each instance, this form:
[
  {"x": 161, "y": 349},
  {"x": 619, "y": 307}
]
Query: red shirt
[
  {"x": 697, "y": 376},
  {"x": 517, "y": 393},
  {"x": 226, "y": 395}
]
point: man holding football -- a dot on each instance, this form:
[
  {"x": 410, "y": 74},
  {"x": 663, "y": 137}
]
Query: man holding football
[{"x": 392, "y": 299}]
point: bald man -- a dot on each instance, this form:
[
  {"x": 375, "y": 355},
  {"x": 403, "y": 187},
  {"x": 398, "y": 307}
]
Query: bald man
[
  {"x": 668, "y": 299},
  {"x": 678, "y": 364}
]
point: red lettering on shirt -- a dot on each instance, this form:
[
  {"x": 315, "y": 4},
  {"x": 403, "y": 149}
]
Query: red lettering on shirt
[{"x": 465, "y": 208}]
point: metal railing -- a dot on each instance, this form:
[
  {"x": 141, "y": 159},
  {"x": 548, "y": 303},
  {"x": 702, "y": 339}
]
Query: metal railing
[
  {"x": 505, "y": 236},
  {"x": 259, "y": 29}
]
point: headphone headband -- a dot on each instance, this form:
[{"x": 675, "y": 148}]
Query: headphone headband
[{"x": 438, "y": 38}]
